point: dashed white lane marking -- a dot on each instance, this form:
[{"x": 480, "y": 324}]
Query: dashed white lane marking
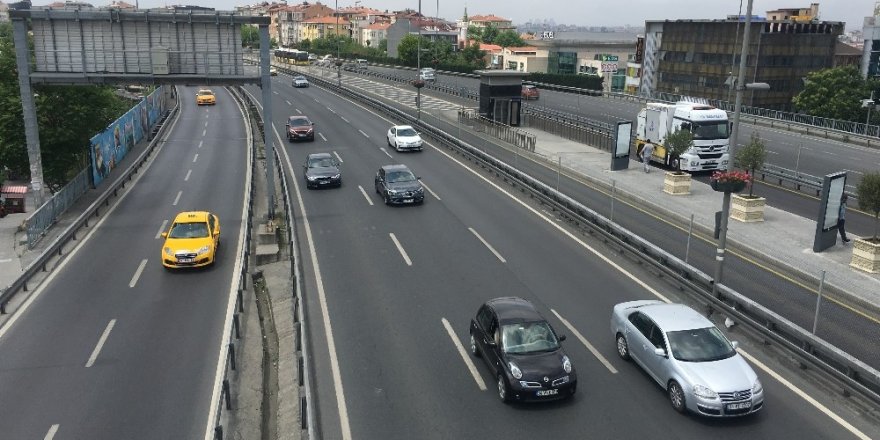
[
  {"x": 188, "y": 173},
  {"x": 100, "y": 345},
  {"x": 6, "y": 260},
  {"x": 830, "y": 152},
  {"x": 431, "y": 191},
  {"x": 274, "y": 92},
  {"x": 316, "y": 100},
  {"x": 52, "y": 430},
  {"x": 137, "y": 273},
  {"x": 331, "y": 110},
  {"x": 204, "y": 132},
  {"x": 206, "y": 124},
  {"x": 366, "y": 196},
  {"x": 346, "y": 120},
  {"x": 196, "y": 157},
  {"x": 805, "y": 396},
  {"x": 161, "y": 229},
  {"x": 338, "y": 158},
  {"x": 299, "y": 111},
  {"x": 386, "y": 152},
  {"x": 200, "y": 143},
  {"x": 587, "y": 343},
  {"x": 486, "y": 243},
  {"x": 365, "y": 135},
  {"x": 322, "y": 136},
  {"x": 288, "y": 102},
  {"x": 177, "y": 199},
  {"x": 772, "y": 152},
  {"x": 464, "y": 355},
  {"x": 400, "y": 249}
]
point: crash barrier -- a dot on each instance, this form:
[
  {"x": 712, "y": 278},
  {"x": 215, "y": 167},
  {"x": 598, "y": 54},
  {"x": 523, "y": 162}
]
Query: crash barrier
[
  {"x": 850, "y": 373},
  {"x": 307, "y": 412},
  {"x": 56, "y": 248},
  {"x": 221, "y": 398},
  {"x": 506, "y": 133}
]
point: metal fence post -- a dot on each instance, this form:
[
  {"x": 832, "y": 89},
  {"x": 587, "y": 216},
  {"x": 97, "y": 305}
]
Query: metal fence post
[
  {"x": 613, "y": 193},
  {"x": 687, "y": 249},
  {"x": 818, "y": 301}
]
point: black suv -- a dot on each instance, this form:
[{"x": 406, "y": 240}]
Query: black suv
[
  {"x": 398, "y": 185},
  {"x": 300, "y": 128},
  {"x": 321, "y": 170},
  {"x": 522, "y": 351}
]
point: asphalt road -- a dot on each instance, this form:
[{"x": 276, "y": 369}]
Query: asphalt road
[
  {"x": 383, "y": 282},
  {"x": 153, "y": 376}
]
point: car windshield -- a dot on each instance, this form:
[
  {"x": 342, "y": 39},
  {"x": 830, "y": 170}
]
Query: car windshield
[
  {"x": 711, "y": 130},
  {"x": 406, "y": 132},
  {"x": 320, "y": 162},
  {"x": 205, "y": 93},
  {"x": 300, "y": 78},
  {"x": 399, "y": 176},
  {"x": 189, "y": 230},
  {"x": 700, "y": 345},
  {"x": 299, "y": 122},
  {"x": 528, "y": 337}
]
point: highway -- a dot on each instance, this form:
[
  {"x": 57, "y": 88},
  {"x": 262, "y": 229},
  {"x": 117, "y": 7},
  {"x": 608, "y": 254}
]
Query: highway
[
  {"x": 390, "y": 292},
  {"x": 112, "y": 346}
]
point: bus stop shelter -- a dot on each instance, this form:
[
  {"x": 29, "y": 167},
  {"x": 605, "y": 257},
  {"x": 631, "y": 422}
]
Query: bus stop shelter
[{"x": 13, "y": 197}]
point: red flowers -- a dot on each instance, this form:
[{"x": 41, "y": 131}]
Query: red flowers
[{"x": 730, "y": 176}]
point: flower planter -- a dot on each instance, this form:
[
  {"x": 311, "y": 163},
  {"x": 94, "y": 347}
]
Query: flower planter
[
  {"x": 677, "y": 184},
  {"x": 866, "y": 255},
  {"x": 747, "y": 209},
  {"x": 729, "y": 186}
]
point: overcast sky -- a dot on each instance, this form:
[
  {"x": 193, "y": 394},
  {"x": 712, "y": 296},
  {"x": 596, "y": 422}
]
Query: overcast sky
[{"x": 579, "y": 12}]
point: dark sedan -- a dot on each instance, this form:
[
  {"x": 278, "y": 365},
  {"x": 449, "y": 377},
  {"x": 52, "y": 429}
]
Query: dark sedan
[
  {"x": 321, "y": 170},
  {"x": 522, "y": 351},
  {"x": 300, "y": 128},
  {"x": 398, "y": 185}
]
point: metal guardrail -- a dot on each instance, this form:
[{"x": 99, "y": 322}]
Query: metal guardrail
[
  {"x": 46, "y": 215},
  {"x": 599, "y": 138},
  {"x": 498, "y": 130},
  {"x": 835, "y": 363},
  {"x": 233, "y": 332},
  {"x": 799, "y": 181},
  {"x": 56, "y": 248}
]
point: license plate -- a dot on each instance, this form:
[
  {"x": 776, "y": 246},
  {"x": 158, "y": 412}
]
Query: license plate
[
  {"x": 323, "y": 182},
  {"x": 185, "y": 260},
  {"x": 407, "y": 200},
  {"x": 740, "y": 405},
  {"x": 546, "y": 393}
]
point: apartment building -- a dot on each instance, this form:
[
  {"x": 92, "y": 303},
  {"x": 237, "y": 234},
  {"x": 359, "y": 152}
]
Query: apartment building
[{"x": 323, "y": 27}]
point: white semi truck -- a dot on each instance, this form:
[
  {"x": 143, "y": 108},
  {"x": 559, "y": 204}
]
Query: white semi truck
[{"x": 709, "y": 125}]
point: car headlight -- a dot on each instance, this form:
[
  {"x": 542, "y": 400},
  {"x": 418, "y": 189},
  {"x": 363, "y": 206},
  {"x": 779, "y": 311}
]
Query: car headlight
[
  {"x": 392, "y": 191},
  {"x": 336, "y": 176},
  {"x": 704, "y": 392},
  {"x": 203, "y": 250},
  {"x": 514, "y": 370},
  {"x": 566, "y": 364},
  {"x": 168, "y": 251},
  {"x": 757, "y": 387},
  {"x": 724, "y": 162},
  {"x": 420, "y": 190},
  {"x": 312, "y": 178}
]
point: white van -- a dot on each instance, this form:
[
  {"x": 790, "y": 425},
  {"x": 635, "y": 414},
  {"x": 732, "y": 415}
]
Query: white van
[{"x": 360, "y": 64}]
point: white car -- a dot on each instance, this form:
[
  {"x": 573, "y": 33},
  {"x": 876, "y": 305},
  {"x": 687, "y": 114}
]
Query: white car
[
  {"x": 427, "y": 74},
  {"x": 404, "y": 138},
  {"x": 300, "y": 81},
  {"x": 273, "y": 71}
]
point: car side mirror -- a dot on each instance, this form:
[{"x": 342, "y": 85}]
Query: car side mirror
[
  {"x": 660, "y": 352},
  {"x": 561, "y": 338},
  {"x": 164, "y": 235},
  {"x": 734, "y": 344},
  {"x": 491, "y": 343}
]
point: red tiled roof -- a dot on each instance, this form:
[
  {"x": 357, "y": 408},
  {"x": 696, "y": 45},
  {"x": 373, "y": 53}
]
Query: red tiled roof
[
  {"x": 378, "y": 26},
  {"x": 489, "y": 17},
  {"x": 326, "y": 20},
  {"x": 14, "y": 189}
]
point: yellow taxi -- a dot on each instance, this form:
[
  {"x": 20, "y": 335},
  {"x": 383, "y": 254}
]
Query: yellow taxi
[
  {"x": 205, "y": 97},
  {"x": 192, "y": 240}
]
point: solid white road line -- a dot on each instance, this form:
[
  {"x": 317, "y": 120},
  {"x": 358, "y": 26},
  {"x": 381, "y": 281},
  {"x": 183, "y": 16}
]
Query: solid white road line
[
  {"x": 338, "y": 158},
  {"x": 386, "y": 152},
  {"x": 365, "y": 135},
  {"x": 188, "y": 173},
  {"x": 464, "y": 355},
  {"x": 177, "y": 199},
  {"x": 200, "y": 143},
  {"x": 161, "y": 229},
  {"x": 587, "y": 343},
  {"x": 100, "y": 343},
  {"x": 137, "y": 273},
  {"x": 486, "y": 243},
  {"x": 346, "y": 120},
  {"x": 855, "y": 431},
  {"x": 204, "y": 132},
  {"x": 400, "y": 249},
  {"x": 854, "y": 172},
  {"x": 366, "y": 196},
  {"x": 196, "y": 157},
  {"x": 431, "y": 191},
  {"x": 52, "y": 430},
  {"x": 322, "y": 136}
]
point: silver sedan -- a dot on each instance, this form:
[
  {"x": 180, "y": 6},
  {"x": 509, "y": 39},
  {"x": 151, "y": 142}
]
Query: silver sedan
[{"x": 688, "y": 356}]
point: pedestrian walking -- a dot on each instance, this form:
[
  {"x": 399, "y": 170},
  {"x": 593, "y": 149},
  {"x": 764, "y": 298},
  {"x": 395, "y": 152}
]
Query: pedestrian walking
[
  {"x": 647, "y": 152},
  {"x": 841, "y": 218}
]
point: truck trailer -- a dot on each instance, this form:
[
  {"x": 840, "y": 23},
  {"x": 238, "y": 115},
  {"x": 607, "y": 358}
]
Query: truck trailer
[{"x": 709, "y": 126}]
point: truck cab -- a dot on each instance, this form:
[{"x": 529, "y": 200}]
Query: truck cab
[{"x": 709, "y": 126}]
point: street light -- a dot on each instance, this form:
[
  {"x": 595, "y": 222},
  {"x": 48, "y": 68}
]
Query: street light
[
  {"x": 419, "y": 64},
  {"x": 338, "y": 61}
]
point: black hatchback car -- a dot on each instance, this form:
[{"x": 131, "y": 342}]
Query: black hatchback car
[
  {"x": 522, "y": 351},
  {"x": 398, "y": 185},
  {"x": 321, "y": 170}
]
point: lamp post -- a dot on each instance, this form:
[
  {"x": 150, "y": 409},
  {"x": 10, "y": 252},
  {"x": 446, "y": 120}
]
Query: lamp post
[
  {"x": 338, "y": 61},
  {"x": 419, "y": 64}
]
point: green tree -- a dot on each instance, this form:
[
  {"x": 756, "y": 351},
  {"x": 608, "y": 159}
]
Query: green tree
[
  {"x": 509, "y": 38},
  {"x": 250, "y": 36},
  {"x": 305, "y": 44},
  {"x": 751, "y": 157},
  {"x": 868, "y": 191},
  {"x": 677, "y": 143},
  {"x": 836, "y": 93},
  {"x": 473, "y": 56},
  {"x": 408, "y": 48},
  {"x": 489, "y": 33},
  {"x": 383, "y": 45},
  {"x": 475, "y": 33}
]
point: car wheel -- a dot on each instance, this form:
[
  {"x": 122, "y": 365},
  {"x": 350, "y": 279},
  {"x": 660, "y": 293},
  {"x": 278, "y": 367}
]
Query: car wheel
[
  {"x": 676, "y": 396},
  {"x": 622, "y": 347},
  {"x": 388, "y": 140},
  {"x": 503, "y": 389},
  {"x": 474, "y": 350}
]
